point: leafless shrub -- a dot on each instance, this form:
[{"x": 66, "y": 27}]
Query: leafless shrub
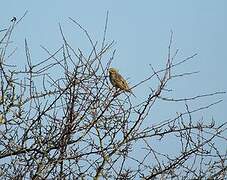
[{"x": 61, "y": 119}]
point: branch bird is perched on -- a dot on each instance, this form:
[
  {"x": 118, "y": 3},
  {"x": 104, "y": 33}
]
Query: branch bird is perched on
[{"x": 118, "y": 81}]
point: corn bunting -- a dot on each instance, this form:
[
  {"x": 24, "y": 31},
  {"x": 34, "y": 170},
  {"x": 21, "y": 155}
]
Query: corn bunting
[{"x": 118, "y": 81}]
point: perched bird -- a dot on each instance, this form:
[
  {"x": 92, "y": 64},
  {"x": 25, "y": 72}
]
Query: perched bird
[
  {"x": 118, "y": 81},
  {"x": 2, "y": 120},
  {"x": 13, "y": 19}
]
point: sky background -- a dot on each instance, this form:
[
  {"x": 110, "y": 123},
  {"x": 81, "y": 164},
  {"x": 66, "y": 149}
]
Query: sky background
[{"x": 141, "y": 30}]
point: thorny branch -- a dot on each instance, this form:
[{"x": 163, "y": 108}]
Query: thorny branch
[{"x": 61, "y": 119}]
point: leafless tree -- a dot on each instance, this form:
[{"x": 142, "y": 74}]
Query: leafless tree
[{"x": 62, "y": 119}]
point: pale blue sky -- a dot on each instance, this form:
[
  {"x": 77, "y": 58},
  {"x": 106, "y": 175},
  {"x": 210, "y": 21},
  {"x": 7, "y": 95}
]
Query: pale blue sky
[{"x": 141, "y": 30}]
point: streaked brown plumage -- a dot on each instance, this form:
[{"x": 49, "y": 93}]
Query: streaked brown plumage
[
  {"x": 118, "y": 81},
  {"x": 2, "y": 120}
]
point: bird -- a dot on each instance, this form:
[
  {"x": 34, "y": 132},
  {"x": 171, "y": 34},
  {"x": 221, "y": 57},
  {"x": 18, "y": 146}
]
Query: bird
[
  {"x": 118, "y": 81},
  {"x": 2, "y": 120},
  {"x": 13, "y": 19}
]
